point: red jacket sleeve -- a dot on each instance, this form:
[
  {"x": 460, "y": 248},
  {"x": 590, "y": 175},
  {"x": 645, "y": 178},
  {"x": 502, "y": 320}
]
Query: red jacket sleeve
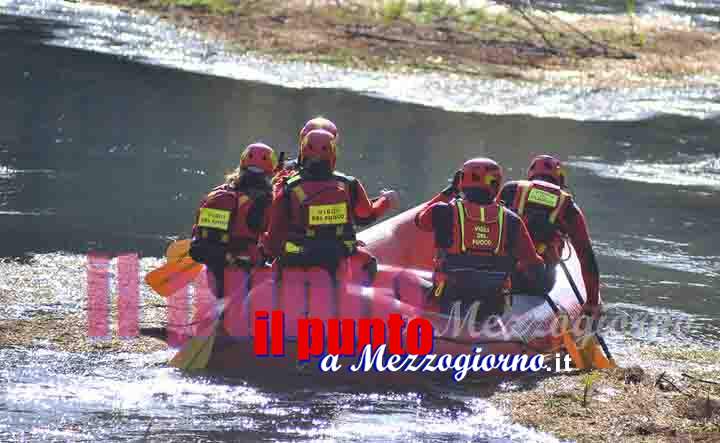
[
  {"x": 423, "y": 218},
  {"x": 576, "y": 228},
  {"x": 277, "y": 233},
  {"x": 364, "y": 208},
  {"x": 523, "y": 248}
]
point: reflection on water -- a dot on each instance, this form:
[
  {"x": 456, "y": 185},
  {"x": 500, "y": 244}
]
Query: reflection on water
[
  {"x": 701, "y": 13},
  {"x": 97, "y": 153},
  {"x": 100, "y": 402}
]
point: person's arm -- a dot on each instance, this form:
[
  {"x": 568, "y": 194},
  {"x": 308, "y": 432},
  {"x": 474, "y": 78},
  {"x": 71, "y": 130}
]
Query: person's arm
[
  {"x": 523, "y": 250},
  {"x": 507, "y": 194},
  {"x": 575, "y": 226},
  {"x": 274, "y": 239},
  {"x": 365, "y": 209},
  {"x": 444, "y": 196},
  {"x": 437, "y": 218}
]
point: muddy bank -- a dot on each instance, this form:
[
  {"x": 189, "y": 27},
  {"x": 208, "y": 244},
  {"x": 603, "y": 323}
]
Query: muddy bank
[
  {"x": 488, "y": 42},
  {"x": 628, "y": 405}
]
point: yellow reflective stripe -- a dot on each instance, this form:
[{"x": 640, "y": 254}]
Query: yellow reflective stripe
[
  {"x": 439, "y": 289},
  {"x": 553, "y": 215},
  {"x": 214, "y": 218},
  {"x": 292, "y": 248},
  {"x": 482, "y": 214},
  {"x": 500, "y": 219},
  {"x": 299, "y": 193},
  {"x": 540, "y": 248},
  {"x": 461, "y": 218},
  {"x": 242, "y": 200},
  {"x": 524, "y": 188}
]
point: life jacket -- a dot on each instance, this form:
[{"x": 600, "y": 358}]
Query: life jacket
[
  {"x": 541, "y": 205},
  {"x": 321, "y": 228},
  {"x": 477, "y": 256},
  {"x": 222, "y": 217}
]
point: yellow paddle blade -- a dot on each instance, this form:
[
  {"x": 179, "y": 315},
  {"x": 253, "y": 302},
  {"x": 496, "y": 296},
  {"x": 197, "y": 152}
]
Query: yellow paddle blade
[
  {"x": 178, "y": 250},
  {"x": 593, "y": 354},
  {"x": 169, "y": 278},
  {"x": 572, "y": 350},
  {"x": 569, "y": 343},
  {"x": 195, "y": 354}
]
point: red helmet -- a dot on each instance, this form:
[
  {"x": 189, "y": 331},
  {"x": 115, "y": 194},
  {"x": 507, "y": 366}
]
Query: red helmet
[
  {"x": 318, "y": 123},
  {"x": 482, "y": 173},
  {"x": 259, "y": 156},
  {"x": 546, "y": 166},
  {"x": 318, "y": 144}
]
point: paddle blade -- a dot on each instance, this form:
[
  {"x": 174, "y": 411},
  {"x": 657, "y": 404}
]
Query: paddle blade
[
  {"x": 572, "y": 350},
  {"x": 593, "y": 354},
  {"x": 178, "y": 250},
  {"x": 195, "y": 354},
  {"x": 169, "y": 278}
]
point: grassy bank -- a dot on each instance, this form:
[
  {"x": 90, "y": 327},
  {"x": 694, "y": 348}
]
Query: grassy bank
[
  {"x": 497, "y": 41},
  {"x": 620, "y": 405}
]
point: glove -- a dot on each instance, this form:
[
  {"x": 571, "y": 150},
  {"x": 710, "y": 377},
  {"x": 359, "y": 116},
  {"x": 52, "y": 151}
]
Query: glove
[
  {"x": 392, "y": 197},
  {"x": 454, "y": 187}
]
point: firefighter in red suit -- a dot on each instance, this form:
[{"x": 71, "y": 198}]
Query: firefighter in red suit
[
  {"x": 232, "y": 216},
  {"x": 478, "y": 241},
  {"x": 552, "y": 215},
  {"x": 316, "y": 209}
]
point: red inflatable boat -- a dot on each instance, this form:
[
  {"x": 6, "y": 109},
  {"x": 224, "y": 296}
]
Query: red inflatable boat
[{"x": 405, "y": 255}]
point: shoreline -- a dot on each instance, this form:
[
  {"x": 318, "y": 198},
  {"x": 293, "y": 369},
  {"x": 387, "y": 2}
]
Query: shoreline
[{"x": 490, "y": 43}]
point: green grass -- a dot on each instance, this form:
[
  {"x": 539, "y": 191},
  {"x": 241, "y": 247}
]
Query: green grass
[
  {"x": 222, "y": 7},
  {"x": 394, "y": 9}
]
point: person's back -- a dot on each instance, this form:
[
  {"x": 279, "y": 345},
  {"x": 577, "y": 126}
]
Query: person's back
[
  {"x": 315, "y": 210},
  {"x": 551, "y": 215},
  {"x": 231, "y": 218},
  {"x": 478, "y": 241}
]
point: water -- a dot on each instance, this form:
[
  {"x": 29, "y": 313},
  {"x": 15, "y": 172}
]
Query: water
[{"x": 98, "y": 152}]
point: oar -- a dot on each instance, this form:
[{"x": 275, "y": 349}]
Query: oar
[
  {"x": 172, "y": 276},
  {"x": 593, "y": 346},
  {"x": 196, "y": 353},
  {"x": 568, "y": 341},
  {"x": 178, "y": 250}
]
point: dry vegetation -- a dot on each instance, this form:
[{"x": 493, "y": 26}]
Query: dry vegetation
[
  {"x": 621, "y": 405},
  {"x": 431, "y": 35}
]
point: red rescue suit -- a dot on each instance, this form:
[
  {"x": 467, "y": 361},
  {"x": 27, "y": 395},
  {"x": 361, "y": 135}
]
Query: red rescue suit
[
  {"x": 551, "y": 214},
  {"x": 478, "y": 247},
  {"x": 312, "y": 221},
  {"x": 227, "y": 227}
]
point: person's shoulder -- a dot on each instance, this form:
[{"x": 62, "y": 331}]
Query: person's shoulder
[
  {"x": 344, "y": 177},
  {"x": 513, "y": 184},
  {"x": 220, "y": 195}
]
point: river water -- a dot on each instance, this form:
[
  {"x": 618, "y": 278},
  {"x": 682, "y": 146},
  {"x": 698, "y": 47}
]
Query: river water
[{"x": 101, "y": 153}]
